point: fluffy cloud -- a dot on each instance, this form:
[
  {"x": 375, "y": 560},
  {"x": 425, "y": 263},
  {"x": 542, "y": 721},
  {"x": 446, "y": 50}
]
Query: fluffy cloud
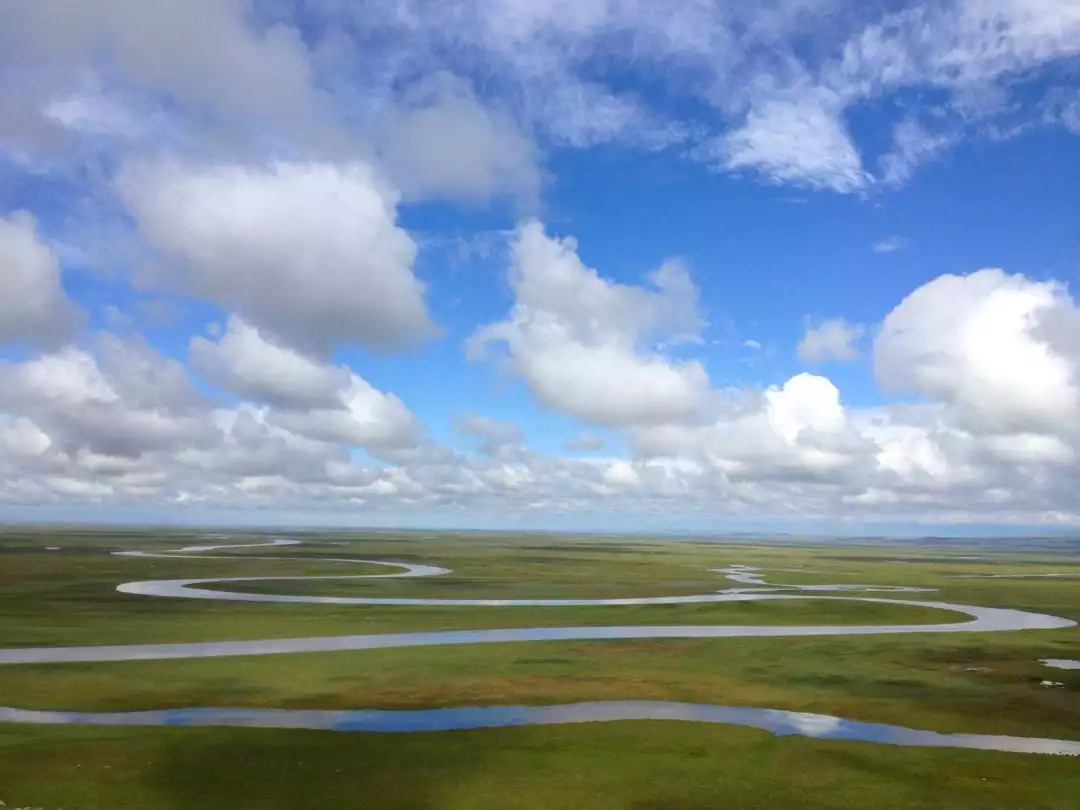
[
  {"x": 274, "y": 196},
  {"x": 832, "y": 339},
  {"x": 309, "y": 398},
  {"x": 308, "y": 251},
  {"x": 443, "y": 143},
  {"x": 117, "y": 422},
  {"x": 496, "y": 438},
  {"x": 204, "y": 55},
  {"x": 977, "y": 344},
  {"x": 797, "y": 430},
  {"x": 243, "y": 361},
  {"x": 583, "y": 344},
  {"x": 123, "y": 400},
  {"x": 363, "y": 416},
  {"x": 33, "y": 305}
]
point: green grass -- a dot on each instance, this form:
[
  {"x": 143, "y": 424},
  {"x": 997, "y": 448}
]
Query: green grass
[
  {"x": 624, "y": 766},
  {"x": 984, "y": 682}
]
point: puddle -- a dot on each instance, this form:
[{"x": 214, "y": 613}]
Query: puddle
[{"x": 1060, "y": 663}]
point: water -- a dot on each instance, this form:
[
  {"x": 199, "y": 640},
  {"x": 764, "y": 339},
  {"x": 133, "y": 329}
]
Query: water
[
  {"x": 1060, "y": 663},
  {"x": 985, "y": 620},
  {"x": 779, "y": 722},
  {"x": 775, "y": 721}
]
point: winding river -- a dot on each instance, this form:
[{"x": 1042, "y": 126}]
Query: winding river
[{"x": 779, "y": 722}]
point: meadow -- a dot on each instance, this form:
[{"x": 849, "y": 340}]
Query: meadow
[{"x": 968, "y": 682}]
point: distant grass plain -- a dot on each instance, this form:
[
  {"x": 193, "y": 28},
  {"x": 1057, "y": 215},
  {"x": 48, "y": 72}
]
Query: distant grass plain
[{"x": 977, "y": 682}]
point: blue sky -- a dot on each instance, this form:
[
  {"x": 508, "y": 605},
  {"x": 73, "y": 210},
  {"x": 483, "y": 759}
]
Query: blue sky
[{"x": 803, "y": 265}]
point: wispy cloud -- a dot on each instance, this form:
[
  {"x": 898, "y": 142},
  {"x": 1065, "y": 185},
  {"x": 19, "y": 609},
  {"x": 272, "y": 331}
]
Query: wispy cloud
[
  {"x": 890, "y": 244},
  {"x": 832, "y": 340}
]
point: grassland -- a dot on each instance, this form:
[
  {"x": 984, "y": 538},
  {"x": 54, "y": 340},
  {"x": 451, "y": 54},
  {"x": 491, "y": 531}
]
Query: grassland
[{"x": 981, "y": 682}]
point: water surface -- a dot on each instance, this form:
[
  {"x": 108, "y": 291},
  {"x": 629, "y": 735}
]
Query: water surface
[
  {"x": 775, "y": 721},
  {"x": 1061, "y": 663},
  {"x": 779, "y": 722}
]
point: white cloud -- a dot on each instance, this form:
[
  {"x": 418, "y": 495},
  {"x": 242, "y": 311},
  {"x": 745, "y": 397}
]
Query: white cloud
[
  {"x": 805, "y": 402},
  {"x": 889, "y": 244},
  {"x": 561, "y": 71},
  {"x": 912, "y": 146},
  {"x": 308, "y": 251},
  {"x": 285, "y": 132},
  {"x": 751, "y": 344},
  {"x": 33, "y": 304},
  {"x": 911, "y": 450},
  {"x": 124, "y": 400},
  {"x": 795, "y": 431},
  {"x": 364, "y": 417},
  {"x": 585, "y": 442},
  {"x": 496, "y": 438},
  {"x": 831, "y": 340},
  {"x": 443, "y": 143},
  {"x": 243, "y": 361},
  {"x": 974, "y": 342},
  {"x": 120, "y": 425},
  {"x": 620, "y": 474},
  {"x": 93, "y": 114},
  {"x": 802, "y": 141},
  {"x": 205, "y": 55},
  {"x": 308, "y": 397},
  {"x": 20, "y": 438},
  {"x": 1070, "y": 116},
  {"x": 582, "y": 343},
  {"x": 1030, "y": 448},
  {"x": 980, "y": 53}
]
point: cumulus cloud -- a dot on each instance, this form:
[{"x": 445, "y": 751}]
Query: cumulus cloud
[
  {"x": 831, "y": 340},
  {"x": 363, "y": 416},
  {"x": 308, "y": 251},
  {"x": 496, "y": 438},
  {"x": 262, "y": 176},
  {"x": 123, "y": 400},
  {"x": 796, "y": 430},
  {"x": 443, "y": 143},
  {"x": 975, "y": 343},
  {"x": 33, "y": 304},
  {"x": 118, "y": 423},
  {"x": 308, "y": 397},
  {"x": 243, "y": 361},
  {"x": 584, "y": 344},
  {"x": 204, "y": 55}
]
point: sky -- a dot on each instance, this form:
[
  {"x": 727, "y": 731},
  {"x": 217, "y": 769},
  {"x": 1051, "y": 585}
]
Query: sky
[{"x": 598, "y": 265}]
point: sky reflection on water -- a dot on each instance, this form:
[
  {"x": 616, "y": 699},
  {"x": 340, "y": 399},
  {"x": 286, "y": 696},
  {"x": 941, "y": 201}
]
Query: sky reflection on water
[{"x": 775, "y": 721}]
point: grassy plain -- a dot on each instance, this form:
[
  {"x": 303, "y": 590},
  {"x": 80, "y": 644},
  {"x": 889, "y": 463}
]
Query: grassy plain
[{"x": 979, "y": 682}]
